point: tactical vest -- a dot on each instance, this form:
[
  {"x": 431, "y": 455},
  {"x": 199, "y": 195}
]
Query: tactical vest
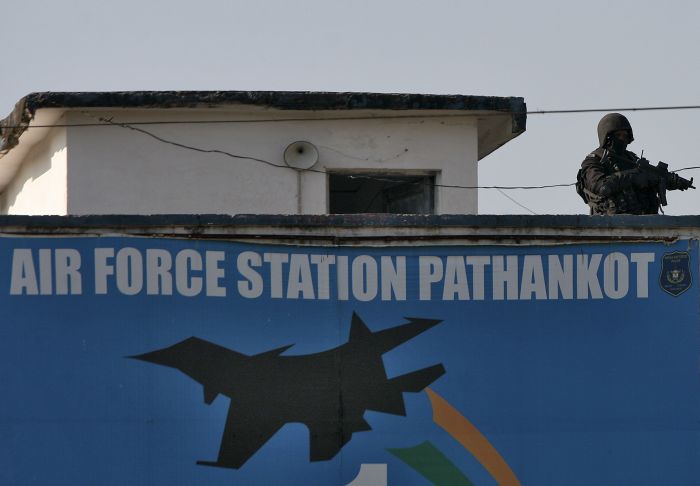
[{"x": 630, "y": 200}]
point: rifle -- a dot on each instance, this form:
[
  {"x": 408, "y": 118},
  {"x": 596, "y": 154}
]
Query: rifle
[{"x": 664, "y": 179}]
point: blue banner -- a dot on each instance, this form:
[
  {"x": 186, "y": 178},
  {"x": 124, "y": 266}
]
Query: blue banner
[{"x": 149, "y": 361}]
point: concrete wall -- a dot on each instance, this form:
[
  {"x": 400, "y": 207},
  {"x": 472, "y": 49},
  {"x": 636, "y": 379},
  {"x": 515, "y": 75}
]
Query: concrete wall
[
  {"x": 118, "y": 170},
  {"x": 40, "y": 185},
  {"x": 372, "y": 230}
]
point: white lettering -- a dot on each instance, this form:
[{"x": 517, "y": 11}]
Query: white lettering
[
  {"x": 505, "y": 276},
  {"x": 214, "y": 273},
  {"x": 456, "y": 283},
  {"x": 23, "y": 279},
  {"x": 616, "y": 275},
  {"x": 186, "y": 262},
  {"x": 642, "y": 261},
  {"x": 103, "y": 269},
  {"x": 159, "y": 279},
  {"x": 479, "y": 264},
  {"x": 45, "y": 272},
  {"x": 532, "y": 280},
  {"x": 323, "y": 263},
  {"x": 429, "y": 272},
  {"x": 561, "y": 278},
  {"x": 342, "y": 269},
  {"x": 133, "y": 271},
  {"x": 393, "y": 278},
  {"x": 252, "y": 286},
  {"x": 276, "y": 260},
  {"x": 68, "y": 278},
  {"x": 300, "y": 280},
  {"x": 129, "y": 271},
  {"x": 364, "y": 278},
  {"x": 587, "y": 276}
]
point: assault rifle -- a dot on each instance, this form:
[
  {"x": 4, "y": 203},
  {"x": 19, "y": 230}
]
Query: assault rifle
[{"x": 663, "y": 178}]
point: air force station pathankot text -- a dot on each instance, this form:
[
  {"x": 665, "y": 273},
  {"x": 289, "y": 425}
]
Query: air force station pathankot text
[{"x": 319, "y": 276}]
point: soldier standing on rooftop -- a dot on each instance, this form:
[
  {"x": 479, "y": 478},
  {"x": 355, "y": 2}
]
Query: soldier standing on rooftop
[{"x": 610, "y": 180}]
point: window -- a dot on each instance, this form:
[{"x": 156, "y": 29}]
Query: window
[{"x": 352, "y": 193}]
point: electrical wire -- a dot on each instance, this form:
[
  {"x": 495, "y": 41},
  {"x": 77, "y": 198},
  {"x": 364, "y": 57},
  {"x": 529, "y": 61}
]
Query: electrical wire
[
  {"x": 686, "y": 168},
  {"x": 280, "y": 166},
  {"x": 255, "y": 159},
  {"x": 351, "y": 176},
  {"x": 131, "y": 126},
  {"x": 600, "y": 110},
  {"x": 376, "y": 117},
  {"x": 516, "y": 202},
  {"x": 190, "y": 147},
  {"x": 110, "y": 122}
]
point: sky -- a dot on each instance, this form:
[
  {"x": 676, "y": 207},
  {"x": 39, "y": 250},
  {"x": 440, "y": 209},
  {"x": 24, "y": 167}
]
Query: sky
[{"x": 555, "y": 54}]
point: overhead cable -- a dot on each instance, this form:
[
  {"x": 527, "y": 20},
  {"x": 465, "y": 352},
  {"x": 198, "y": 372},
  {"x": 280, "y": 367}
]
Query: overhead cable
[
  {"x": 516, "y": 202},
  {"x": 366, "y": 117},
  {"x": 351, "y": 176},
  {"x": 282, "y": 166}
]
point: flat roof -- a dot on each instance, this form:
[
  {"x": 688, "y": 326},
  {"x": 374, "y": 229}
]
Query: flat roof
[
  {"x": 284, "y": 100},
  {"x": 12, "y": 126}
]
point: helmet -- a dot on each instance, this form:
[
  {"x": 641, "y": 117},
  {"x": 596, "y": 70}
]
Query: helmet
[{"x": 611, "y": 123}]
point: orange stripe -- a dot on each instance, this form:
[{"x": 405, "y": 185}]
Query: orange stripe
[{"x": 464, "y": 432}]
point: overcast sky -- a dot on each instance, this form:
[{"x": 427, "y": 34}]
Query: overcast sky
[{"x": 555, "y": 54}]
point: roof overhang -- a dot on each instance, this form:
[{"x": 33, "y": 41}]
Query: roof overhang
[{"x": 498, "y": 119}]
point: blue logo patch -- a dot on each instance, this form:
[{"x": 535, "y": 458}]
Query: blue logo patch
[{"x": 675, "y": 275}]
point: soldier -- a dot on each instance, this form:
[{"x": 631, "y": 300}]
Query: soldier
[{"x": 610, "y": 179}]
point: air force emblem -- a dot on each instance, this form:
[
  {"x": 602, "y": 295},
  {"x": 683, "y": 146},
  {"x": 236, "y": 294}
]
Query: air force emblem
[{"x": 675, "y": 275}]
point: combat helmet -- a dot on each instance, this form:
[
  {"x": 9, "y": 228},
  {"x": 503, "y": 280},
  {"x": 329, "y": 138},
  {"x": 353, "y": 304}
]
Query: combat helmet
[{"x": 611, "y": 123}]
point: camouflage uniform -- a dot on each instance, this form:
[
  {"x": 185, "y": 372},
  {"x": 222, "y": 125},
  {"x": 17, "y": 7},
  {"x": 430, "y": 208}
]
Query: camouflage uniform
[
  {"x": 609, "y": 180},
  {"x": 610, "y": 184}
]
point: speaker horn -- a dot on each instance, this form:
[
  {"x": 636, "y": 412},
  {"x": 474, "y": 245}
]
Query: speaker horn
[{"x": 301, "y": 155}]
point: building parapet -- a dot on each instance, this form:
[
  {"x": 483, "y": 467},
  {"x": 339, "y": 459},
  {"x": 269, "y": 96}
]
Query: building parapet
[{"x": 378, "y": 230}]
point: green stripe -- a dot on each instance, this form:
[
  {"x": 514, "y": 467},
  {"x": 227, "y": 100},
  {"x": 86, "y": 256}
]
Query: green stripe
[{"x": 432, "y": 464}]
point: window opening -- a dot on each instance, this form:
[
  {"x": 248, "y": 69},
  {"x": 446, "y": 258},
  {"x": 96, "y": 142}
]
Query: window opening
[{"x": 381, "y": 193}]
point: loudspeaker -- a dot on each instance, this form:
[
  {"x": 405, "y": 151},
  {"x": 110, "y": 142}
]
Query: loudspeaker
[{"x": 301, "y": 155}]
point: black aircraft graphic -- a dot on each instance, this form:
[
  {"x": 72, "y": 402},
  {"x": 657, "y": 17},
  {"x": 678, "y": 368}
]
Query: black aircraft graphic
[{"x": 329, "y": 391}]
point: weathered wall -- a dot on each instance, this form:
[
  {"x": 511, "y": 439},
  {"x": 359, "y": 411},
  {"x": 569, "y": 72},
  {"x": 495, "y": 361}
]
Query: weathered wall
[
  {"x": 538, "y": 346},
  {"x": 118, "y": 170},
  {"x": 39, "y": 187},
  {"x": 374, "y": 230}
]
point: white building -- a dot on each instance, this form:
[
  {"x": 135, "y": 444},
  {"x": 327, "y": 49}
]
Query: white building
[{"x": 223, "y": 152}]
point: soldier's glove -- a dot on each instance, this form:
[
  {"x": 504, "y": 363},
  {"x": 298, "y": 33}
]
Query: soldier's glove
[
  {"x": 638, "y": 178},
  {"x": 631, "y": 178},
  {"x": 677, "y": 182}
]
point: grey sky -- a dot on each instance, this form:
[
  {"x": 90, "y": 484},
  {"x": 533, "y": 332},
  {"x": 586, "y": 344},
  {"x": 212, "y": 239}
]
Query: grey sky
[{"x": 555, "y": 54}]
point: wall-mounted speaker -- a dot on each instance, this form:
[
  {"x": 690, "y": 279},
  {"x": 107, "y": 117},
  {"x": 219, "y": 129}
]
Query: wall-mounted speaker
[{"x": 301, "y": 155}]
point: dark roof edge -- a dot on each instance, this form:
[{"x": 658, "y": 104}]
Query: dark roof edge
[
  {"x": 12, "y": 127},
  {"x": 575, "y": 222}
]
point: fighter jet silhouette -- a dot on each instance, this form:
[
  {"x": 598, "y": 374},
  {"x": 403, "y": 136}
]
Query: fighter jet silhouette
[{"x": 329, "y": 391}]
